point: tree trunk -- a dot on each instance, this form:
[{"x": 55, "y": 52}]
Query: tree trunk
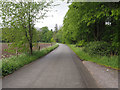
[
  {"x": 30, "y": 32},
  {"x": 30, "y": 43},
  {"x": 95, "y": 32}
]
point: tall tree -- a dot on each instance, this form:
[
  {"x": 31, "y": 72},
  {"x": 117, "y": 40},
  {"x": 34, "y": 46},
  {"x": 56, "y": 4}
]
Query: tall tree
[
  {"x": 86, "y": 21},
  {"x": 20, "y": 18}
]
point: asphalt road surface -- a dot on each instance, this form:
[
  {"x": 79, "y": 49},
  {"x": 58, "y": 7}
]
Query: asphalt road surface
[{"x": 59, "y": 69}]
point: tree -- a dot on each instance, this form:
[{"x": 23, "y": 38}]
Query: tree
[
  {"x": 20, "y": 18},
  {"x": 45, "y": 34},
  {"x": 86, "y": 21},
  {"x": 55, "y": 31},
  {"x": 58, "y": 36},
  {"x": 56, "y": 28}
]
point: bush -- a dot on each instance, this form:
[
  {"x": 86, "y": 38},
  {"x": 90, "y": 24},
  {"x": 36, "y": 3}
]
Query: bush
[
  {"x": 80, "y": 43},
  {"x": 98, "y": 48},
  {"x": 107, "y": 61}
]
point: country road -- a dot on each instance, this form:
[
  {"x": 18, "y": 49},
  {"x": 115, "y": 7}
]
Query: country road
[{"x": 59, "y": 69}]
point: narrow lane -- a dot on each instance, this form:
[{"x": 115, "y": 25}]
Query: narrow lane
[{"x": 59, "y": 69}]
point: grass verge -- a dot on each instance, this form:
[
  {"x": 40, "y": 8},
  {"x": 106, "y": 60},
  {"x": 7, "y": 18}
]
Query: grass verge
[
  {"x": 9, "y": 65},
  {"x": 111, "y": 62}
]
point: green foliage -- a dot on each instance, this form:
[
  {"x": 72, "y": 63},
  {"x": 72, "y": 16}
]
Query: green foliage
[
  {"x": 80, "y": 43},
  {"x": 86, "y": 21},
  {"x": 9, "y": 65},
  {"x": 45, "y": 35},
  {"x": 18, "y": 22},
  {"x": 111, "y": 61},
  {"x": 58, "y": 36},
  {"x": 98, "y": 48},
  {"x": 52, "y": 40}
]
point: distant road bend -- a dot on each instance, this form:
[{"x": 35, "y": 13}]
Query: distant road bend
[{"x": 59, "y": 69}]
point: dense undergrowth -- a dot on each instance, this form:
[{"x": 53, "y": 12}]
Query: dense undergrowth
[
  {"x": 108, "y": 61},
  {"x": 9, "y": 65}
]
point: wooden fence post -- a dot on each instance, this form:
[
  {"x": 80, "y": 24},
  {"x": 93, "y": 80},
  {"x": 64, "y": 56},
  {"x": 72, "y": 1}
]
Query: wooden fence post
[
  {"x": 17, "y": 52},
  {"x": 39, "y": 47}
]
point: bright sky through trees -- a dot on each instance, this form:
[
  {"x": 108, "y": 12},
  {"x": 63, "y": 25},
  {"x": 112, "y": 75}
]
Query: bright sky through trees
[{"x": 55, "y": 15}]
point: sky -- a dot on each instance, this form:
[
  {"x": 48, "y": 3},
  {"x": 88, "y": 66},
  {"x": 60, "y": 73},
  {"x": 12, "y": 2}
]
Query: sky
[{"x": 55, "y": 16}]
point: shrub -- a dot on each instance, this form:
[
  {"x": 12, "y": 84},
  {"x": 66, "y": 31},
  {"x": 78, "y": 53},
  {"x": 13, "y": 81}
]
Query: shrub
[
  {"x": 98, "y": 48},
  {"x": 80, "y": 43},
  {"x": 108, "y": 61}
]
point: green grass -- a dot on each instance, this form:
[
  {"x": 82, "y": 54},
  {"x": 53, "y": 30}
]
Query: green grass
[
  {"x": 111, "y": 61},
  {"x": 9, "y": 65}
]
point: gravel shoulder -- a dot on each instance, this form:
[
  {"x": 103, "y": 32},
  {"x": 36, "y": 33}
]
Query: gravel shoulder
[{"x": 105, "y": 78}]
